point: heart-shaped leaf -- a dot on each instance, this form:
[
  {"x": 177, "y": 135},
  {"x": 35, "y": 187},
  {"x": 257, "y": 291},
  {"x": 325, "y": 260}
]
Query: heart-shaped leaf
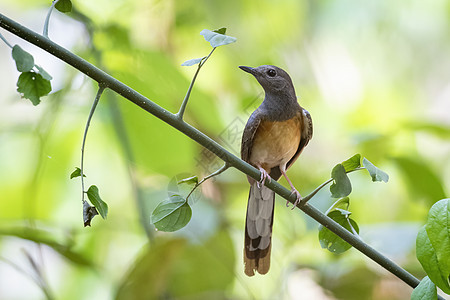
[
  {"x": 329, "y": 240},
  {"x": 76, "y": 173},
  {"x": 342, "y": 186},
  {"x": 352, "y": 163},
  {"x": 33, "y": 86},
  {"x": 172, "y": 214}
]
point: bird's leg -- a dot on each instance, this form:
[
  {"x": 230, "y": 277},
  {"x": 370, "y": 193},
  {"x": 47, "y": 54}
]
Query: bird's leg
[
  {"x": 293, "y": 189},
  {"x": 264, "y": 176}
]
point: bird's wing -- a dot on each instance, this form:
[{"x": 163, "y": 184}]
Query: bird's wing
[{"x": 249, "y": 135}]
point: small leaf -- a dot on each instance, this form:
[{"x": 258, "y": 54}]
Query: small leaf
[
  {"x": 342, "y": 203},
  {"x": 341, "y": 186},
  {"x": 190, "y": 180},
  {"x": 33, "y": 86},
  {"x": 426, "y": 290},
  {"x": 375, "y": 173},
  {"x": 76, "y": 173},
  {"x": 172, "y": 214},
  {"x": 64, "y": 6},
  {"x": 222, "y": 30},
  {"x": 330, "y": 240},
  {"x": 44, "y": 73},
  {"x": 95, "y": 199},
  {"x": 192, "y": 62},
  {"x": 89, "y": 212},
  {"x": 427, "y": 257},
  {"x": 217, "y": 39},
  {"x": 24, "y": 60},
  {"x": 352, "y": 163}
]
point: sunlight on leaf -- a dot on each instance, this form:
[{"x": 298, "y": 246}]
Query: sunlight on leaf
[
  {"x": 100, "y": 205},
  {"x": 190, "y": 180},
  {"x": 352, "y": 163},
  {"x": 217, "y": 39},
  {"x": 172, "y": 214}
]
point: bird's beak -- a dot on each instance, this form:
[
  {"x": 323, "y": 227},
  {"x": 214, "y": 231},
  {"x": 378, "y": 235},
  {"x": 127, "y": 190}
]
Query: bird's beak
[{"x": 248, "y": 69}]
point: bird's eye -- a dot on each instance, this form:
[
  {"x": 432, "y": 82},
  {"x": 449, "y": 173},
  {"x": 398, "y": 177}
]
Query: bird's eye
[{"x": 271, "y": 73}]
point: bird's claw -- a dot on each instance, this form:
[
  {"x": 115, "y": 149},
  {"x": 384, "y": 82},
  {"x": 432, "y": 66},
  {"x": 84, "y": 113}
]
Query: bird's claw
[
  {"x": 264, "y": 176},
  {"x": 297, "y": 201}
]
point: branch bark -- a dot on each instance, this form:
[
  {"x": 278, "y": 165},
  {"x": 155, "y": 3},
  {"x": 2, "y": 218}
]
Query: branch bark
[{"x": 110, "y": 82}]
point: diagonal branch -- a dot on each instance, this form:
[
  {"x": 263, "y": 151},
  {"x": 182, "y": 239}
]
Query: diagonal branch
[{"x": 110, "y": 82}]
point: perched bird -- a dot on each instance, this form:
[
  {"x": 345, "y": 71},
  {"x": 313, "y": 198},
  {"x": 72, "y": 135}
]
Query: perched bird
[{"x": 275, "y": 135}]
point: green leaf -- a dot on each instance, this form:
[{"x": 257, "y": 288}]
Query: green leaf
[
  {"x": 217, "y": 39},
  {"x": 172, "y": 214},
  {"x": 342, "y": 203},
  {"x": 76, "y": 173},
  {"x": 24, "y": 60},
  {"x": 189, "y": 180},
  {"x": 332, "y": 242},
  {"x": 64, "y": 6},
  {"x": 222, "y": 30},
  {"x": 352, "y": 163},
  {"x": 427, "y": 257},
  {"x": 426, "y": 290},
  {"x": 375, "y": 173},
  {"x": 33, "y": 86},
  {"x": 191, "y": 62},
  {"x": 342, "y": 186},
  {"x": 95, "y": 199},
  {"x": 438, "y": 231},
  {"x": 44, "y": 73}
]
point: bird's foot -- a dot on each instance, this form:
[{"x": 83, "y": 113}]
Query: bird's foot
[
  {"x": 297, "y": 195},
  {"x": 264, "y": 176}
]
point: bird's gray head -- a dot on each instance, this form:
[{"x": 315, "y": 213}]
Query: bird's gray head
[{"x": 274, "y": 80}]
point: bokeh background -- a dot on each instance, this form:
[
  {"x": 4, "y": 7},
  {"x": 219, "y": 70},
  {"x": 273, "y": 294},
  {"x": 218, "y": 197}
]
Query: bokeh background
[{"x": 374, "y": 75}]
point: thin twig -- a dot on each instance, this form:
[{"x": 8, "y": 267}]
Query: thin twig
[
  {"x": 47, "y": 18},
  {"x": 6, "y": 41},
  {"x": 180, "y": 113},
  {"x": 219, "y": 171},
  {"x": 313, "y": 193},
  {"x": 101, "y": 87}
]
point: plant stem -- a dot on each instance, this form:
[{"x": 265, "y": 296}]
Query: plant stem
[
  {"x": 47, "y": 18},
  {"x": 215, "y": 173},
  {"x": 313, "y": 193},
  {"x": 91, "y": 113},
  {"x": 180, "y": 113},
  {"x": 6, "y": 41}
]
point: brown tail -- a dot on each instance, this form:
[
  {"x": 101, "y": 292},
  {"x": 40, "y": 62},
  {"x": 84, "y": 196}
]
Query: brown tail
[{"x": 258, "y": 230}]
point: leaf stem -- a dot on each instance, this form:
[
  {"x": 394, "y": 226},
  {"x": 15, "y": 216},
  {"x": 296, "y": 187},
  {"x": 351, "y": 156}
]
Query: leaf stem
[
  {"x": 47, "y": 18},
  {"x": 215, "y": 173},
  {"x": 313, "y": 193},
  {"x": 188, "y": 93},
  {"x": 6, "y": 41},
  {"x": 101, "y": 87}
]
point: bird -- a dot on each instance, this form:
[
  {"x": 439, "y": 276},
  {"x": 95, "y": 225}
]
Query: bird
[{"x": 273, "y": 138}]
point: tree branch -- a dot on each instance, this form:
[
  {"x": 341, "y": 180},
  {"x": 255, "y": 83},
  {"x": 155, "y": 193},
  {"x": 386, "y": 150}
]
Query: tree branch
[{"x": 110, "y": 82}]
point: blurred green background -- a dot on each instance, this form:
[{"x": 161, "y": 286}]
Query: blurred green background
[{"x": 374, "y": 75}]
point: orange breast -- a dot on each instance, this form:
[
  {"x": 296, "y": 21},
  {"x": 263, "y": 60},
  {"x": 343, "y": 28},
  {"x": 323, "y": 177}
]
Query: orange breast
[{"x": 275, "y": 143}]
